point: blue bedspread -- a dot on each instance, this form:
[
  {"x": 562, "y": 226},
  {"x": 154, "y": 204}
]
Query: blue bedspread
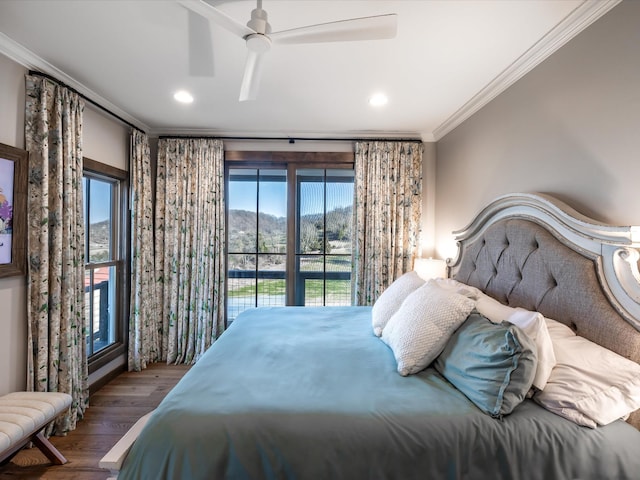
[{"x": 311, "y": 393}]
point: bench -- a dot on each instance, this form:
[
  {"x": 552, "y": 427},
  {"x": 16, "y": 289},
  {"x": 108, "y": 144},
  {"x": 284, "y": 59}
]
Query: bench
[{"x": 23, "y": 416}]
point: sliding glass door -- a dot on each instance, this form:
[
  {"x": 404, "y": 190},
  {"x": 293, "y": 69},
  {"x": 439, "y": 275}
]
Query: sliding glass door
[
  {"x": 323, "y": 236},
  {"x": 289, "y": 237}
]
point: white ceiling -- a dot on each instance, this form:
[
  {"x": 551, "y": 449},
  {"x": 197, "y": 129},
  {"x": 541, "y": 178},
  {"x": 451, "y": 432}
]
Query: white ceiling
[{"x": 450, "y": 57}]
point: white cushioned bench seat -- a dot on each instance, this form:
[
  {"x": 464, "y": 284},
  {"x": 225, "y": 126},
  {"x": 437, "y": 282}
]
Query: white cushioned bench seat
[{"x": 23, "y": 415}]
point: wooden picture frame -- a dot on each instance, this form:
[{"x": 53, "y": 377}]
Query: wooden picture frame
[{"x": 13, "y": 210}]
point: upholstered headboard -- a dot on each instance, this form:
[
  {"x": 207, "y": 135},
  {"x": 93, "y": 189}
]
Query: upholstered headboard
[{"x": 534, "y": 252}]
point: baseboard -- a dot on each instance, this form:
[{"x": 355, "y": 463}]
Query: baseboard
[{"x": 102, "y": 381}]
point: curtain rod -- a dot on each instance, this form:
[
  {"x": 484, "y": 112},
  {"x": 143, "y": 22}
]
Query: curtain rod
[
  {"x": 295, "y": 139},
  {"x": 53, "y": 79}
]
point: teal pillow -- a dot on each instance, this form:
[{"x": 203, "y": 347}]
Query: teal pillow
[{"x": 492, "y": 364}]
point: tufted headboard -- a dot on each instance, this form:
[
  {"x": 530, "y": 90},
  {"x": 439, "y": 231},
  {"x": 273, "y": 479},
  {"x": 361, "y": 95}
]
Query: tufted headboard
[{"x": 534, "y": 252}]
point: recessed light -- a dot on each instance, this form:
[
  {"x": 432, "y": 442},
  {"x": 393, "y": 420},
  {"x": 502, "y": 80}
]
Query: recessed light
[
  {"x": 183, "y": 96},
  {"x": 378, "y": 100}
]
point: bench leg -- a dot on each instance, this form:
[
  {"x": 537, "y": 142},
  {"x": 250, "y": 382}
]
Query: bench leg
[
  {"x": 8, "y": 458},
  {"x": 46, "y": 447}
]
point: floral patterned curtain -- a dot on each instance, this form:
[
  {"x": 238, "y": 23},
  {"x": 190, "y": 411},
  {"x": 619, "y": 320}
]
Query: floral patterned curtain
[
  {"x": 387, "y": 210},
  {"x": 190, "y": 237},
  {"x": 145, "y": 325},
  {"x": 57, "y": 359}
]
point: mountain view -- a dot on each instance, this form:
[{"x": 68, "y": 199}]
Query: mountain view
[
  {"x": 271, "y": 245},
  {"x": 272, "y": 234},
  {"x": 99, "y": 241}
]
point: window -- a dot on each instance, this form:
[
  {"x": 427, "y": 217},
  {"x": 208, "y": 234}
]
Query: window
[
  {"x": 105, "y": 207},
  {"x": 288, "y": 232},
  {"x": 257, "y": 239}
]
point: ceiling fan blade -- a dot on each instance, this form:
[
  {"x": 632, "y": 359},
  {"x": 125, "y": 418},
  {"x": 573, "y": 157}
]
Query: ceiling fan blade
[
  {"x": 251, "y": 79},
  {"x": 366, "y": 28},
  {"x": 200, "y": 46},
  {"x": 217, "y": 16}
]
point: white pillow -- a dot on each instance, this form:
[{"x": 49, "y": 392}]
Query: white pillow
[
  {"x": 492, "y": 309},
  {"x": 419, "y": 330},
  {"x": 455, "y": 286},
  {"x": 590, "y": 385},
  {"x": 558, "y": 330},
  {"x": 532, "y": 323},
  {"x": 534, "y": 326},
  {"x": 390, "y": 300}
]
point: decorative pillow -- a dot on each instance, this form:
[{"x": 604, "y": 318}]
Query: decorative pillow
[
  {"x": 492, "y": 364},
  {"x": 419, "y": 330},
  {"x": 590, "y": 385},
  {"x": 390, "y": 300},
  {"x": 533, "y": 324}
]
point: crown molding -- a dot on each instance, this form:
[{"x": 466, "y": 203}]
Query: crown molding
[
  {"x": 574, "y": 23},
  {"x": 31, "y": 61}
]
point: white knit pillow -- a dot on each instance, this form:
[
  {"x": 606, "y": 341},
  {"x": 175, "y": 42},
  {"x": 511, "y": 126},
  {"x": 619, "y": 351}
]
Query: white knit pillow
[
  {"x": 423, "y": 324},
  {"x": 389, "y": 302}
]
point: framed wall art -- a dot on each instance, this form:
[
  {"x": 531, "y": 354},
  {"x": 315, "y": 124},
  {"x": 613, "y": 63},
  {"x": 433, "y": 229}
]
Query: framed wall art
[{"x": 13, "y": 210}]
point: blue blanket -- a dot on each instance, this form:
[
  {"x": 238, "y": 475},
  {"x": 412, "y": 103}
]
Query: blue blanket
[{"x": 311, "y": 393}]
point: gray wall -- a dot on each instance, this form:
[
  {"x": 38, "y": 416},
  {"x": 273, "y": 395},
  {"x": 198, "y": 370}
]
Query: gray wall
[
  {"x": 13, "y": 320},
  {"x": 571, "y": 128}
]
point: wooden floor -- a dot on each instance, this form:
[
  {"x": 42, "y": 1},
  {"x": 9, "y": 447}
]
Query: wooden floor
[{"x": 112, "y": 411}]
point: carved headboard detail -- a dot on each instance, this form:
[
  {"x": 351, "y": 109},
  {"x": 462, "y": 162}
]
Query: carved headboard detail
[{"x": 535, "y": 252}]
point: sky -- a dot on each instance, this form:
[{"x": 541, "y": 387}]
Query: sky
[
  {"x": 273, "y": 197},
  {"x": 100, "y": 200},
  {"x": 242, "y": 196}
]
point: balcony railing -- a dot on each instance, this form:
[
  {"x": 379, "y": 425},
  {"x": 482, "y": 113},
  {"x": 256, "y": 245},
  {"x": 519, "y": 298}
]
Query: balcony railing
[
  {"x": 99, "y": 335},
  {"x": 264, "y": 294}
]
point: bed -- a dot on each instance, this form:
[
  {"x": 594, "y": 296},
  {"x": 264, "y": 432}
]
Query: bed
[{"x": 313, "y": 393}]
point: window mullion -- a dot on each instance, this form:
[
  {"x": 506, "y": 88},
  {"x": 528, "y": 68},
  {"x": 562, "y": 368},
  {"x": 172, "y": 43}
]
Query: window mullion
[
  {"x": 91, "y": 311},
  {"x": 87, "y": 220},
  {"x": 325, "y": 239},
  {"x": 292, "y": 222},
  {"x": 257, "y": 269}
]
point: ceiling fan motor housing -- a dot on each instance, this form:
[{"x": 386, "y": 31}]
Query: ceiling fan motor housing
[
  {"x": 259, "y": 21},
  {"x": 259, "y": 42}
]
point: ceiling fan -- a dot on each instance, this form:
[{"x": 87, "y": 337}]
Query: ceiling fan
[{"x": 258, "y": 36}]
